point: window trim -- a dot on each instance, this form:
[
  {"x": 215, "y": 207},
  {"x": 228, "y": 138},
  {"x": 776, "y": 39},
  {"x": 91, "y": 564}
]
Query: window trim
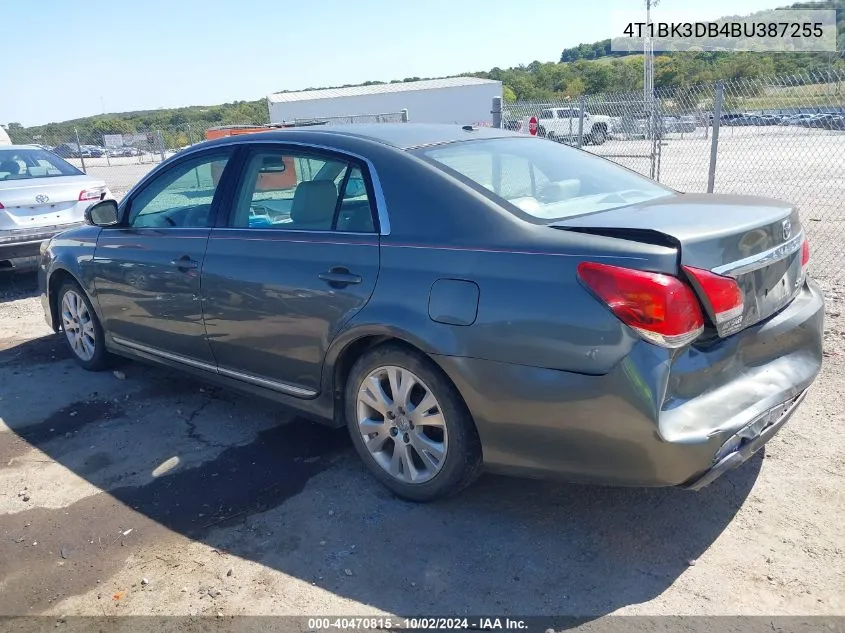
[
  {"x": 375, "y": 195},
  {"x": 220, "y": 192}
]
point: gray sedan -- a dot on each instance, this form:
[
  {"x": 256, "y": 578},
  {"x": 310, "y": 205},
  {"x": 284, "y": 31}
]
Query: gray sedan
[{"x": 461, "y": 299}]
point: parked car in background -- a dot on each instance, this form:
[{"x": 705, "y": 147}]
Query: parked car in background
[
  {"x": 71, "y": 150},
  {"x": 459, "y": 298},
  {"x": 824, "y": 120},
  {"x": 678, "y": 124},
  {"x": 634, "y": 126},
  {"x": 796, "y": 119},
  {"x": 563, "y": 124},
  {"x": 117, "y": 152},
  {"x": 94, "y": 151},
  {"x": 40, "y": 196}
]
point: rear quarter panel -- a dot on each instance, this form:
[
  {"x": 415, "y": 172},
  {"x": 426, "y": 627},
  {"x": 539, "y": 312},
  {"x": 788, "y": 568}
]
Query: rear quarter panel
[{"x": 532, "y": 310}]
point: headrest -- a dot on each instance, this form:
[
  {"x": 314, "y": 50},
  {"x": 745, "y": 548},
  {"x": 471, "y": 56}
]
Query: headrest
[{"x": 314, "y": 202}]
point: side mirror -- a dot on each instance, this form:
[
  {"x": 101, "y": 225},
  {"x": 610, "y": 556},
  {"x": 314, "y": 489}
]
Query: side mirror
[{"x": 102, "y": 214}]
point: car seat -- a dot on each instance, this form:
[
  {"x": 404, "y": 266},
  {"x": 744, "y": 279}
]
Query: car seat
[
  {"x": 313, "y": 205},
  {"x": 12, "y": 167}
]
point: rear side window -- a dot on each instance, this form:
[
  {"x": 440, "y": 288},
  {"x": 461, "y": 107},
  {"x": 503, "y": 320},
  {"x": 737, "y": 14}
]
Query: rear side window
[
  {"x": 544, "y": 180},
  {"x": 301, "y": 192}
]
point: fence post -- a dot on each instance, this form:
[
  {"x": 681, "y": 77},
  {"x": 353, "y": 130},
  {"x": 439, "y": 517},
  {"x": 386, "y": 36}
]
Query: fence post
[
  {"x": 160, "y": 141},
  {"x": 79, "y": 148},
  {"x": 581, "y": 104},
  {"x": 404, "y": 115},
  {"x": 497, "y": 112},
  {"x": 714, "y": 143},
  {"x": 657, "y": 141}
]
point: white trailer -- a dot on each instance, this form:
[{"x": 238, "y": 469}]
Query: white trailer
[{"x": 461, "y": 100}]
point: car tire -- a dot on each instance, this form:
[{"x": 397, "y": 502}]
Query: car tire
[
  {"x": 397, "y": 449},
  {"x": 598, "y": 137},
  {"x": 82, "y": 330},
  {"x": 541, "y": 131}
]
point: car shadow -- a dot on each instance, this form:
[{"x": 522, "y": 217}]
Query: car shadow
[{"x": 244, "y": 478}]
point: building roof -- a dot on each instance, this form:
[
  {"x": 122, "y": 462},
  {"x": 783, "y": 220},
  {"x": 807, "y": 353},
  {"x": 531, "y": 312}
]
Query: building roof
[{"x": 373, "y": 89}]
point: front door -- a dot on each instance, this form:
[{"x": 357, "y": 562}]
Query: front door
[
  {"x": 296, "y": 258},
  {"x": 147, "y": 271}
]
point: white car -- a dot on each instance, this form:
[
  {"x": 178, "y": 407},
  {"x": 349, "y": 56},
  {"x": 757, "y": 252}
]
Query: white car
[
  {"x": 40, "y": 195},
  {"x": 563, "y": 124}
]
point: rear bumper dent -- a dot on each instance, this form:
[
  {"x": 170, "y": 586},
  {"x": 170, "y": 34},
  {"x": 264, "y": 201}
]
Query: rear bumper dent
[{"x": 739, "y": 448}]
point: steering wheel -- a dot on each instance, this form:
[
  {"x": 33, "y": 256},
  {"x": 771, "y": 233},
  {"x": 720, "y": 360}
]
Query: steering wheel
[{"x": 197, "y": 216}]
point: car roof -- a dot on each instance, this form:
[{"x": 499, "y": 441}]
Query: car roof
[
  {"x": 399, "y": 135},
  {"x": 19, "y": 147}
]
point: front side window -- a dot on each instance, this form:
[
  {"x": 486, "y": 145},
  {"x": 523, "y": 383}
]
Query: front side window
[
  {"x": 180, "y": 197},
  {"x": 545, "y": 180},
  {"x": 24, "y": 164},
  {"x": 294, "y": 191}
]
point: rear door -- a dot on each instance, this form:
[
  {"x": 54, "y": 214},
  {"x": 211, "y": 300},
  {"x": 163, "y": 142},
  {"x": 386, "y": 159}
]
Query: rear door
[
  {"x": 295, "y": 258},
  {"x": 147, "y": 272}
]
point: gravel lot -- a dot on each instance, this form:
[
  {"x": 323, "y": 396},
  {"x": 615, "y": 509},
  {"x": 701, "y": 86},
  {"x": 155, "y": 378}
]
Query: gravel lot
[{"x": 145, "y": 492}]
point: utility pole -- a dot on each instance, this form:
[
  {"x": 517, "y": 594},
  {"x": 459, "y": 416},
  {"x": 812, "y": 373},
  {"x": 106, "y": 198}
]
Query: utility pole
[{"x": 648, "y": 66}]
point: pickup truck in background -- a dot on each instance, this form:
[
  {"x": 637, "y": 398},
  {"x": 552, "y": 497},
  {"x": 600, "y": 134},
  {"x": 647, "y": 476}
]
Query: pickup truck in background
[{"x": 561, "y": 124}]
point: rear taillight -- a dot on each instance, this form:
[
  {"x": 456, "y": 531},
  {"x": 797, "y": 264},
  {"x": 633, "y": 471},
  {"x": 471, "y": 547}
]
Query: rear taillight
[
  {"x": 1, "y": 206},
  {"x": 805, "y": 251},
  {"x": 91, "y": 194},
  {"x": 661, "y": 308},
  {"x": 723, "y": 296}
]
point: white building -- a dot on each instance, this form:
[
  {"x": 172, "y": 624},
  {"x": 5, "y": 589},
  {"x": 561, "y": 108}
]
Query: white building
[
  {"x": 4, "y": 137},
  {"x": 461, "y": 100}
]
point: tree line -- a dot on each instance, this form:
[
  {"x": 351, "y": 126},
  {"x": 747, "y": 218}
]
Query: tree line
[{"x": 584, "y": 69}]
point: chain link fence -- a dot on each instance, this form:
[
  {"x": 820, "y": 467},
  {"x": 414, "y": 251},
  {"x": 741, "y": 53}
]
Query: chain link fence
[
  {"x": 122, "y": 159},
  {"x": 780, "y": 137}
]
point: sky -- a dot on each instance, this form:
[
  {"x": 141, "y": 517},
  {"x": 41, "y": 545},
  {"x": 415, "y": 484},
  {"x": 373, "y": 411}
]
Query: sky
[{"x": 67, "y": 59}]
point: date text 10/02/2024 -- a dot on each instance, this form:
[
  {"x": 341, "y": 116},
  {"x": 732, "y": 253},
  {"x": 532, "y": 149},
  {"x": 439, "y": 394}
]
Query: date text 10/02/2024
[{"x": 431, "y": 623}]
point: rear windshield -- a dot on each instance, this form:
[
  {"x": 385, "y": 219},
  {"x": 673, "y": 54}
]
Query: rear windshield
[
  {"x": 546, "y": 180},
  {"x": 23, "y": 164}
]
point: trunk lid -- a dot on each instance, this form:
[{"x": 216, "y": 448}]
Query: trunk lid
[
  {"x": 42, "y": 202},
  {"x": 757, "y": 241}
]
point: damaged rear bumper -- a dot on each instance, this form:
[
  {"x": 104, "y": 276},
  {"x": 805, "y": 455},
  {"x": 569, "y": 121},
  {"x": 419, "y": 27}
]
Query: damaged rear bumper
[
  {"x": 739, "y": 448},
  {"x": 659, "y": 417}
]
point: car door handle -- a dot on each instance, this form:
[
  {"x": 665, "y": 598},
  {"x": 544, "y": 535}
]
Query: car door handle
[
  {"x": 338, "y": 277},
  {"x": 185, "y": 263}
]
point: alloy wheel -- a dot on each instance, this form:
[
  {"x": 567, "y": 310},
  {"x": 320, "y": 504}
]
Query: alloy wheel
[
  {"x": 78, "y": 325},
  {"x": 402, "y": 424}
]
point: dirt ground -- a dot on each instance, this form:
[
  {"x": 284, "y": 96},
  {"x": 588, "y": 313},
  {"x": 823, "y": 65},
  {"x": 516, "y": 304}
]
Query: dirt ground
[{"x": 146, "y": 492}]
